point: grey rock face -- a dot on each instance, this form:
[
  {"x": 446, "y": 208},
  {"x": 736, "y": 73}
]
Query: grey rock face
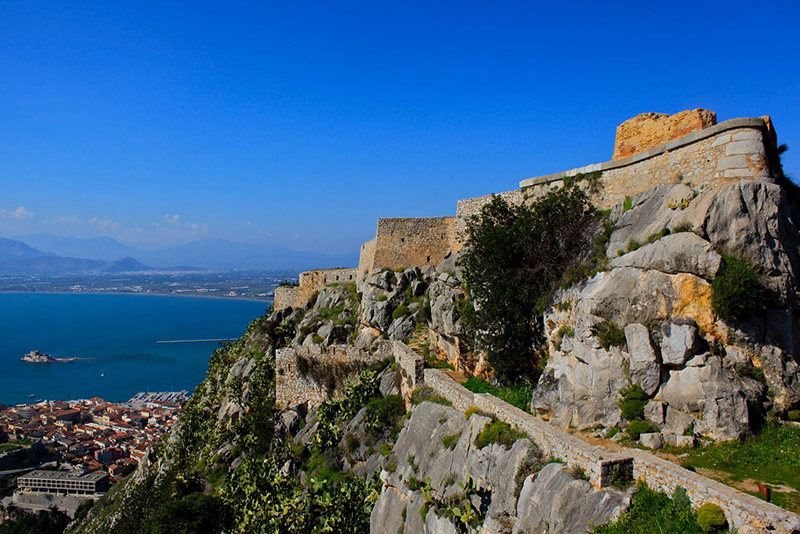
[
  {"x": 684, "y": 252},
  {"x": 390, "y": 383},
  {"x": 679, "y": 342},
  {"x": 554, "y": 501},
  {"x": 402, "y": 328},
  {"x": 654, "y": 440},
  {"x": 644, "y": 366}
]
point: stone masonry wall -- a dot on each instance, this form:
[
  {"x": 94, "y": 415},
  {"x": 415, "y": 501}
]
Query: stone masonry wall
[
  {"x": 599, "y": 464},
  {"x": 648, "y": 130},
  {"x": 469, "y": 207},
  {"x": 292, "y": 387},
  {"x": 310, "y": 283},
  {"x": 729, "y": 151},
  {"x": 407, "y": 242}
]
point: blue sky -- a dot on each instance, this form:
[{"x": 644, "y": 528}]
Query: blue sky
[{"x": 301, "y": 123}]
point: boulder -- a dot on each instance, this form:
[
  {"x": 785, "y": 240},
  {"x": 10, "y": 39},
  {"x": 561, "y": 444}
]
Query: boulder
[
  {"x": 402, "y": 328},
  {"x": 684, "y": 252},
  {"x": 654, "y": 440},
  {"x": 390, "y": 383},
  {"x": 679, "y": 342},
  {"x": 644, "y": 366}
]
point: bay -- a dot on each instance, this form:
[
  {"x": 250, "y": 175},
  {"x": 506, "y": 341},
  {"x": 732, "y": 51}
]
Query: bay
[{"x": 114, "y": 338}]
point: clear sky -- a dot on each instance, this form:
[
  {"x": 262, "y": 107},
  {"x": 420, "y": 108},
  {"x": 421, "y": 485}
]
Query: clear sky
[{"x": 302, "y": 122}]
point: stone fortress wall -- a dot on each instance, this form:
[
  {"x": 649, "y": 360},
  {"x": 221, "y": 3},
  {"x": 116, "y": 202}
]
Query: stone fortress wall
[
  {"x": 407, "y": 242},
  {"x": 294, "y": 387},
  {"x": 311, "y": 282}
]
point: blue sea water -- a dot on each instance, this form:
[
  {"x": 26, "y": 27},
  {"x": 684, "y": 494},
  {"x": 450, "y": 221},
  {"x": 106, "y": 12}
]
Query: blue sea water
[{"x": 114, "y": 337}]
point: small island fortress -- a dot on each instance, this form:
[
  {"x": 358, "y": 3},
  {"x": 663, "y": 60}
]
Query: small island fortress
[
  {"x": 36, "y": 356},
  {"x": 650, "y": 149}
]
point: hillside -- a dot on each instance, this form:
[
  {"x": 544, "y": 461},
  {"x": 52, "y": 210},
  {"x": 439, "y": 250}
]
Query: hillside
[{"x": 640, "y": 304}]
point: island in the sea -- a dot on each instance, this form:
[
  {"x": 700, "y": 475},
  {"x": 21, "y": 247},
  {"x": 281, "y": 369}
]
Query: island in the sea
[{"x": 36, "y": 356}]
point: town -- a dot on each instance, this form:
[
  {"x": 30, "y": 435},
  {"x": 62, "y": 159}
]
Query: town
[{"x": 73, "y": 450}]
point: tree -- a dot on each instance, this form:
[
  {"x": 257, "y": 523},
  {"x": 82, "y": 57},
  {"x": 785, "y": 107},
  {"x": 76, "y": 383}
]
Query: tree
[{"x": 514, "y": 257}]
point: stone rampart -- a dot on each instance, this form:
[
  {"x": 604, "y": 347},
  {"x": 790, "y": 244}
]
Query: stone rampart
[
  {"x": 407, "y": 242},
  {"x": 602, "y": 465},
  {"x": 469, "y": 207},
  {"x": 294, "y": 380},
  {"x": 729, "y": 151},
  {"x": 648, "y": 130},
  {"x": 311, "y": 282}
]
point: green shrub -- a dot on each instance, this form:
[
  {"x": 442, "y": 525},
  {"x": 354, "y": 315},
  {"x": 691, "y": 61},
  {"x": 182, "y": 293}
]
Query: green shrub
[
  {"x": 451, "y": 440},
  {"x": 682, "y": 227},
  {"x": 609, "y": 334},
  {"x": 498, "y": 432},
  {"x": 316, "y": 339},
  {"x": 519, "y": 395},
  {"x": 426, "y": 393},
  {"x": 794, "y": 415},
  {"x": 738, "y": 291},
  {"x": 635, "y": 428},
  {"x": 633, "y": 245},
  {"x": 514, "y": 259},
  {"x": 652, "y": 512},
  {"x": 652, "y": 238},
  {"x": 470, "y": 411},
  {"x": 711, "y": 518},
  {"x": 385, "y": 450},
  {"x": 632, "y": 402},
  {"x": 627, "y": 204},
  {"x": 400, "y": 311},
  {"x": 381, "y": 298}
]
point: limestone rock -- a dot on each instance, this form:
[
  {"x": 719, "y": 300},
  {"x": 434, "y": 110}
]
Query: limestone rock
[
  {"x": 390, "y": 383},
  {"x": 684, "y": 252},
  {"x": 654, "y": 440},
  {"x": 644, "y": 366},
  {"x": 402, "y": 328},
  {"x": 648, "y": 130},
  {"x": 679, "y": 342},
  {"x": 554, "y": 501}
]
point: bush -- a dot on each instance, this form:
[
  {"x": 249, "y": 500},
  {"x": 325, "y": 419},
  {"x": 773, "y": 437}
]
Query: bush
[
  {"x": 627, "y": 204},
  {"x": 652, "y": 512},
  {"x": 711, "y": 518},
  {"x": 514, "y": 258},
  {"x": 794, "y": 415},
  {"x": 635, "y": 428},
  {"x": 738, "y": 291},
  {"x": 400, "y": 311},
  {"x": 632, "y": 402},
  {"x": 609, "y": 334},
  {"x": 381, "y": 298},
  {"x": 498, "y": 432}
]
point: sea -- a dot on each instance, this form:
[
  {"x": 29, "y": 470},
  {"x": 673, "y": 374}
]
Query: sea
[{"x": 114, "y": 337}]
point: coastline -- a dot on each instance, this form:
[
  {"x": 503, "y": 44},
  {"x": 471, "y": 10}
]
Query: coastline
[{"x": 143, "y": 294}]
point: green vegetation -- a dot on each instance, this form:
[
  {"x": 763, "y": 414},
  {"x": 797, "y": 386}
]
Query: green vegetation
[
  {"x": 627, "y": 204},
  {"x": 682, "y": 227},
  {"x": 770, "y": 458},
  {"x": 49, "y": 522},
  {"x": 633, "y": 245},
  {"x": 711, "y": 518},
  {"x": 514, "y": 258},
  {"x": 498, "y": 432},
  {"x": 426, "y": 393},
  {"x": 400, "y": 311},
  {"x": 636, "y": 428},
  {"x": 382, "y": 298},
  {"x": 451, "y": 440},
  {"x": 519, "y": 396},
  {"x": 632, "y": 402},
  {"x": 592, "y": 180},
  {"x": 652, "y": 512},
  {"x": 652, "y": 238},
  {"x": 738, "y": 291},
  {"x": 609, "y": 334},
  {"x": 196, "y": 513}
]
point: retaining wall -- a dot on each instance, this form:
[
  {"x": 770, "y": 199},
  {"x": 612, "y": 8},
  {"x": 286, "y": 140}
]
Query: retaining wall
[
  {"x": 292, "y": 387},
  {"x": 600, "y": 464},
  {"x": 310, "y": 283}
]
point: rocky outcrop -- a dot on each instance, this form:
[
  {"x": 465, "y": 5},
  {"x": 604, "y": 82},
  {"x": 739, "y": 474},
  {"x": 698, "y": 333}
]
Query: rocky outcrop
[
  {"x": 700, "y": 372},
  {"x": 435, "y": 465},
  {"x": 649, "y": 130}
]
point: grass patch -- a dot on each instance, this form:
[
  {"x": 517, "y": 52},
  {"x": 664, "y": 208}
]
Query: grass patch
[
  {"x": 627, "y": 204},
  {"x": 632, "y": 402},
  {"x": 770, "y": 458},
  {"x": 400, "y": 311},
  {"x": 426, "y": 393},
  {"x": 498, "y": 432},
  {"x": 738, "y": 291},
  {"x": 609, "y": 334},
  {"x": 519, "y": 396}
]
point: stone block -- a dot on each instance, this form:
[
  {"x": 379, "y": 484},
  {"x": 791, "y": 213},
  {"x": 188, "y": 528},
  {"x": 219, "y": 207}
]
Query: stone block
[
  {"x": 739, "y": 173},
  {"x": 732, "y": 162},
  {"x": 679, "y": 342},
  {"x": 655, "y": 412},
  {"x": 721, "y": 139},
  {"x": 670, "y": 438},
  {"x": 685, "y": 441},
  {"x": 749, "y": 135},
  {"x": 654, "y": 440},
  {"x": 744, "y": 147}
]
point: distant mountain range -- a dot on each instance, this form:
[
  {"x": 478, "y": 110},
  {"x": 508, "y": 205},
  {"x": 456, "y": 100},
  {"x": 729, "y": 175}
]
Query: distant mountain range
[{"x": 49, "y": 254}]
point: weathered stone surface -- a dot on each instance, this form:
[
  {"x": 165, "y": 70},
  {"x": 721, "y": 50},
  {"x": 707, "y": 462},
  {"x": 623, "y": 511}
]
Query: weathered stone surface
[
  {"x": 402, "y": 328},
  {"x": 729, "y": 405},
  {"x": 554, "y": 501},
  {"x": 649, "y": 130},
  {"x": 366, "y": 337},
  {"x": 654, "y": 440},
  {"x": 679, "y": 342},
  {"x": 684, "y": 252},
  {"x": 390, "y": 383},
  {"x": 644, "y": 366},
  {"x": 655, "y": 412}
]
